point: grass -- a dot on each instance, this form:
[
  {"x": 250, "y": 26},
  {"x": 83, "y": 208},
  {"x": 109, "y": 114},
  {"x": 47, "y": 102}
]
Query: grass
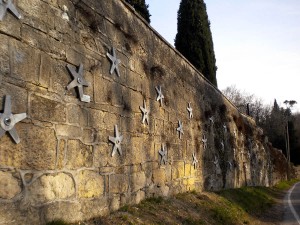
[
  {"x": 253, "y": 200},
  {"x": 231, "y": 207},
  {"x": 284, "y": 185}
]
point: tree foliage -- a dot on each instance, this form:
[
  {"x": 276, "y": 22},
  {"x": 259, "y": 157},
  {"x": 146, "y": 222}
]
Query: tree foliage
[
  {"x": 273, "y": 120},
  {"x": 141, "y": 7},
  {"x": 194, "y": 38},
  {"x": 258, "y": 110}
]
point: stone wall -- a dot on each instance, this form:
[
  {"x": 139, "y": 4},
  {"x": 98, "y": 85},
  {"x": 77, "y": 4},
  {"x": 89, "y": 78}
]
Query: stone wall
[{"x": 65, "y": 166}]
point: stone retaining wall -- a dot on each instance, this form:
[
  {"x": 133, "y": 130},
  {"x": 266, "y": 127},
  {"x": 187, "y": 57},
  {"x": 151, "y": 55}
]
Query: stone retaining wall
[{"x": 63, "y": 167}]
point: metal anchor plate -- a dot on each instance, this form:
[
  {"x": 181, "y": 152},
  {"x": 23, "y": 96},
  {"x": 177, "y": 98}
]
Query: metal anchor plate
[
  {"x": 163, "y": 155},
  {"x": 79, "y": 82},
  {"x": 145, "y": 112},
  {"x": 9, "y": 120},
  {"x": 8, "y": 5},
  {"x": 114, "y": 62},
  {"x": 117, "y": 141}
]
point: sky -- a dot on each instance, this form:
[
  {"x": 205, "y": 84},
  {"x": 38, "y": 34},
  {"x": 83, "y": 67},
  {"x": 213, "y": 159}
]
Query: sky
[{"x": 256, "y": 43}]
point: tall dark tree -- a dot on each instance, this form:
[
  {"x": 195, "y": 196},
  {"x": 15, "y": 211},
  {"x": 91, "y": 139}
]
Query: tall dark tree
[
  {"x": 141, "y": 7},
  {"x": 194, "y": 38}
]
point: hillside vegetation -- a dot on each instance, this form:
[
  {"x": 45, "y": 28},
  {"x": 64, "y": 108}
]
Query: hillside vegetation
[{"x": 248, "y": 205}]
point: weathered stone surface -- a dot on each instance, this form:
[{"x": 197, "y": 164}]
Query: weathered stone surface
[
  {"x": 77, "y": 115},
  {"x": 60, "y": 210},
  {"x": 47, "y": 110},
  {"x": 50, "y": 187},
  {"x": 92, "y": 208},
  {"x": 69, "y": 131},
  {"x": 118, "y": 183},
  {"x": 90, "y": 184},
  {"x": 4, "y": 56},
  {"x": 138, "y": 181},
  {"x": 61, "y": 151},
  {"x": 10, "y": 26},
  {"x": 18, "y": 97},
  {"x": 159, "y": 177},
  {"x": 9, "y": 185},
  {"x": 178, "y": 170},
  {"x": 78, "y": 155},
  {"x": 37, "y": 149},
  {"x": 11, "y": 214},
  {"x": 23, "y": 62}
]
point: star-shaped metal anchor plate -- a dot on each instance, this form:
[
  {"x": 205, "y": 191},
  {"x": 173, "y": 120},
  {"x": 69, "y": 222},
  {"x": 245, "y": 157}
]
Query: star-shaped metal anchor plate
[
  {"x": 190, "y": 111},
  {"x": 145, "y": 112},
  {"x": 114, "y": 62},
  {"x": 9, "y": 120},
  {"x": 225, "y": 128},
  {"x": 117, "y": 140},
  {"x": 79, "y": 82},
  {"x": 180, "y": 129},
  {"x": 216, "y": 161},
  {"x": 160, "y": 96},
  {"x": 212, "y": 120},
  {"x": 222, "y": 146},
  {"x": 195, "y": 160},
  {"x": 163, "y": 155},
  {"x": 8, "y": 5},
  {"x": 204, "y": 141},
  {"x": 229, "y": 165}
]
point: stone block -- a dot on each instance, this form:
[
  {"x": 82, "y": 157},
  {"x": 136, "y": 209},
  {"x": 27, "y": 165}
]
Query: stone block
[
  {"x": 138, "y": 197},
  {"x": 177, "y": 170},
  {"x": 36, "y": 39},
  {"x": 67, "y": 211},
  {"x": 135, "y": 153},
  {"x": 138, "y": 181},
  {"x": 37, "y": 149},
  {"x": 176, "y": 151},
  {"x": 96, "y": 119},
  {"x": 108, "y": 92},
  {"x": 51, "y": 187},
  {"x": 68, "y": 131},
  {"x": 136, "y": 81},
  {"x": 11, "y": 214},
  {"x": 136, "y": 100},
  {"x": 45, "y": 109},
  {"x": 77, "y": 115},
  {"x": 102, "y": 154},
  {"x": 118, "y": 183},
  {"x": 24, "y": 62},
  {"x": 59, "y": 77},
  {"x": 10, "y": 186},
  {"x": 159, "y": 177},
  {"x": 18, "y": 97},
  {"x": 110, "y": 120},
  {"x": 4, "y": 57},
  {"x": 90, "y": 184},
  {"x": 115, "y": 202},
  {"x": 10, "y": 26},
  {"x": 61, "y": 152},
  {"x": 93, "y": 208},
  {"x": 89, "y": 136},
  {"x": 78, "y": 155},
  {"x": 148, "y": 148},
  {"x": 158, "y": 127},
  {"x": 188, "y": 168}
]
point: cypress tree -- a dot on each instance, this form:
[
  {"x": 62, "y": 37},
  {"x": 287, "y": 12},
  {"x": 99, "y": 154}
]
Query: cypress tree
[
  {"x": 141, "y": 7},
  {"x": 194, "y": 38}
]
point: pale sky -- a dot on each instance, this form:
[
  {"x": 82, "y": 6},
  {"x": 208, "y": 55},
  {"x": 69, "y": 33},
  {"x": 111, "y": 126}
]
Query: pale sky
[{"x": 256, "y": 43}]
